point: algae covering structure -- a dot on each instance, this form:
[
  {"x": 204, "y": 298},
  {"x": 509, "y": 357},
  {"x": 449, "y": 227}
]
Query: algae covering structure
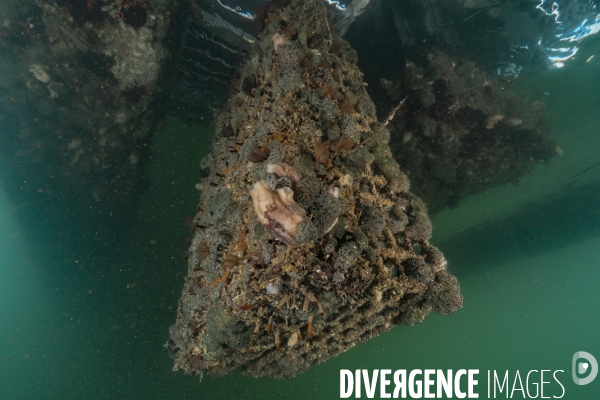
[
  {"x": 308, "y": 239},
  {"x": 79, "y": 90},
  {"x": 463, "y": 131}
]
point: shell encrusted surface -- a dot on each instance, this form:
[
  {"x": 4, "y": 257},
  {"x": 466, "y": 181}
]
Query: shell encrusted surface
[{"x": 309, "y": 249}]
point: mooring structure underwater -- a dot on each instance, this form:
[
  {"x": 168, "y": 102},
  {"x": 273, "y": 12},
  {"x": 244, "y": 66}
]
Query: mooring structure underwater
[{"x": 308, "y": 239}]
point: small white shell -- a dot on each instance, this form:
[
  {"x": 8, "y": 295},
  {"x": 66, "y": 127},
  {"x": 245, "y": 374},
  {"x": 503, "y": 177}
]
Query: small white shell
[{"x": 273, "y": 288}]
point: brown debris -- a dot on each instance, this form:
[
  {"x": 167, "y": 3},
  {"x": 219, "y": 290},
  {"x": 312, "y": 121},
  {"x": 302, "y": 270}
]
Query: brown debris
[
  {"x": 321, "y": 151},
  {"x": 345, "y": 142},
  {"x": 242, "y": 245},
  {"x": 288, "y": 32},
  {"x": 202, "y": 251},
  {"x": 217, "y": 281},
  {"x": 230, "y": 261},
  {"x": 257, "y": 154},
  {"x": 347, "y": 107},
  {"x": 306, "y": 63}
]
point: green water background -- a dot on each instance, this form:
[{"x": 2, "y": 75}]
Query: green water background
[{"x": 88, "y": 324}]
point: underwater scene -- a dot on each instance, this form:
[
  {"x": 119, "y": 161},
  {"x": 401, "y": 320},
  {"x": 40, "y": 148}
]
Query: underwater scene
[{"x": 299, "y": 199}]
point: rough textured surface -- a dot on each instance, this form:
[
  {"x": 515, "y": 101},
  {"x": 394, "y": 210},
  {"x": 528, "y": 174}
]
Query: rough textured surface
[
  {"x": 461, "y": 131},
  {"x": 78, "y": 84},
  {"x": 277, "y": 285}
]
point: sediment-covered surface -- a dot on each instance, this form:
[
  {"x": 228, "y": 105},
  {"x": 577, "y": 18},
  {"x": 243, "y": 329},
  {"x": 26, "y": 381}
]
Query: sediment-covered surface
[
  {"x": 308, "y": 238},
  {"x": 78, "y": 84},
  {"x": 463, "y": 131}
]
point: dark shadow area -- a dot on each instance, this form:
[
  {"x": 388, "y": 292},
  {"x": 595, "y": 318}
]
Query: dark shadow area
[{"x": 568, "y": 217}]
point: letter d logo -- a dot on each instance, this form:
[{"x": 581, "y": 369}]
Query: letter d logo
[{"x": 582, "y": 367}]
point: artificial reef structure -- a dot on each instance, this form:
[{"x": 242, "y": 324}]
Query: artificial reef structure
[
  {"x": 462, "y": 131},
  {"x": 308, "y": 239},
  {"x": 79, "y": 102}
]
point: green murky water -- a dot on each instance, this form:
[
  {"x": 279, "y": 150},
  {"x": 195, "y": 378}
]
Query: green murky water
[{"x": 91, "y": 322}]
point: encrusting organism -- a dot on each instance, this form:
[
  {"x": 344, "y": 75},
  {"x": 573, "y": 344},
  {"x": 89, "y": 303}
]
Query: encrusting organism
[
  {"x": 307, "y": 231},
  {"x": 278, "y": 211}
]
